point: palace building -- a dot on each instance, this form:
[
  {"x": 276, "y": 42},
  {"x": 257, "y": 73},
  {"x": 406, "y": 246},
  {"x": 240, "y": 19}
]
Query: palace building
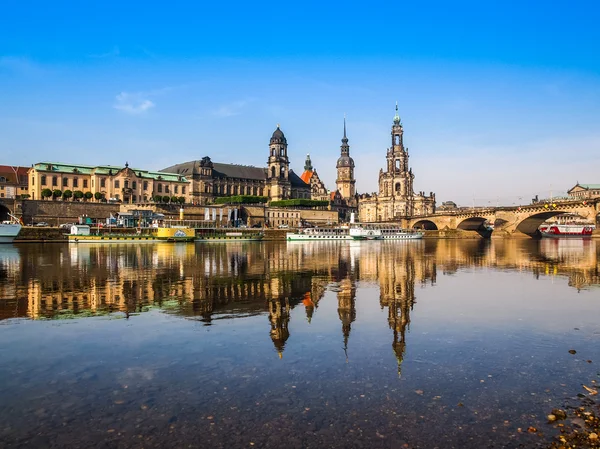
[
  {"x": 210, "y": 180},
  {"x": 118, "y": 183},
  {"x": 395, "y": 198}
]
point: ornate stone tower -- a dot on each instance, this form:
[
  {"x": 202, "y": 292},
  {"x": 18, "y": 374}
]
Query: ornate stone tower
[
  {"x": 401, "y": 184},
  {"x": 345, "y": 181},
  {"x": 278, "y": 167}
]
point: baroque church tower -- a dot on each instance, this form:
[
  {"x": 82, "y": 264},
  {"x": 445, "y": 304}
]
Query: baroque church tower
[
  {"x": 345, "y": 181},
  {"x": 396, "y": 198},
  {"x": 278, "y": 167}
]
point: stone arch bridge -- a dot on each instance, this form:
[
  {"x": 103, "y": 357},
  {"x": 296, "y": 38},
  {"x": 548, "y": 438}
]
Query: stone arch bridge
[{"x": 514, "y": 221}]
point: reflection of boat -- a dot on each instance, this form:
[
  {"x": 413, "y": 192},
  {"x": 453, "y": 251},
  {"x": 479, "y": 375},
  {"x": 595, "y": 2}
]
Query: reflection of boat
[
  {"x": 400, "y": 234},
  {"x": 9, "y": 229},
  {"x": 567, "y": 230},
  {"x": 81, "y": 234}
]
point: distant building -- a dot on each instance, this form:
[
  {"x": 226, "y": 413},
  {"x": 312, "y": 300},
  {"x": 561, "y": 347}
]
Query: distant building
[
  {"x": 118, "y": 183},
  {"x": 584, "y": 191},
  {"x": 13, "y": 181},
  {"x": 318, "y": 191},
  {"x": 396, "y": 198},
  {"x": 448, "y": 206},
  {"x": 210, "y": 180},
  {"x": 344, "y": 199}
]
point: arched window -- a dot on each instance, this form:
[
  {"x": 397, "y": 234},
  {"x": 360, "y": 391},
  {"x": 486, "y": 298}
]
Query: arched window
[
  {"x": 281, "y": 152},
  {"x": 397, "y": 187},
  {"x": 54, "y": 181},
  {"x": 273, "y": 172},
  {"x": 2, "y": 179},
  {"x": 397, "y": 164},
  {"x": 43, "y": 180},
  {"x": 396, "y": 139}
]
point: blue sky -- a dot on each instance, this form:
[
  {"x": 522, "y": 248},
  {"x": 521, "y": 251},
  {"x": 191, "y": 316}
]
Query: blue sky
[{"x": 499, "y": 100}]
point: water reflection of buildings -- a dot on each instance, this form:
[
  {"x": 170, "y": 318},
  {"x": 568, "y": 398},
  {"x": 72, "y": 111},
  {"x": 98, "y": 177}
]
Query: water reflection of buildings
[{"x": 215, "y": 282}]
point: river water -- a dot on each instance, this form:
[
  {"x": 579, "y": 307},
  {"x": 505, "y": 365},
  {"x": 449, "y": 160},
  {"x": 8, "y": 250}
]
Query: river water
[{"x": 424, "y": 344}]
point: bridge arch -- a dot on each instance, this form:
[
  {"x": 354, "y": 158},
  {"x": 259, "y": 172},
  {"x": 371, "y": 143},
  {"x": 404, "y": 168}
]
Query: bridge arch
[
  {"x": 472, "y": 224},
  {"x": 4, "y": 211},
  {"x": 427, "y": 225},
  {"x": 531, "y": 224}
]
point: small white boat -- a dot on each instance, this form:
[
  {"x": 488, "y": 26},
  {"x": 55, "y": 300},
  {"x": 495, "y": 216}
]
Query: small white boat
[{"x": 9, "y": 229}]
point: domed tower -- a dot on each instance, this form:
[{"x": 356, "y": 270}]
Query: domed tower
[
  {"x": 278, "y": 167},
  {"x": 345, "y": 181}
]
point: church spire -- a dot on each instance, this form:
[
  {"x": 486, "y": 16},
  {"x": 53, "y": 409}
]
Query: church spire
[
  {"x": 396, "y": 117},
  {"x": 345, "y": 148}
]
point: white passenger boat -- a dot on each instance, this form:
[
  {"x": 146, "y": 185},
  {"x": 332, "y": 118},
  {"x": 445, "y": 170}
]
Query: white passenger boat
[
  {"x": 9, "y": 229},
  {"x": 400, "y": 234},
  {"x": 312, "y": 234}
]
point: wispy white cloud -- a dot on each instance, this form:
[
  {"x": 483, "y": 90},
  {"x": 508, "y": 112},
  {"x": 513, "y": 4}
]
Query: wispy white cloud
[
  {"x": 133, "y": 103},
  {"x": 230, "y": 109},
  {"x": 113, "y": 53},
  {"x": 21, "y": 65}
]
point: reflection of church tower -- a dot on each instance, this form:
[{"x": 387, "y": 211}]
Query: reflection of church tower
[
  {"x": 278, "y": 167},
  {"x": 279, "y": 316},
  {"x": 309, "y": 306},
  {"x": 347, "y": 308},
  {"x": 399, "y": 296},
  {"x": 345, "y": 181}
]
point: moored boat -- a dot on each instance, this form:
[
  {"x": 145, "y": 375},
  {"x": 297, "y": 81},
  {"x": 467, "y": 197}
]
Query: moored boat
[
  {"x": 311, "y": 234},
  {"x": 9, "y": 229},
  {"x": 81, "y": 234},
  {"x": 567, "y": 230},
  {"x": 229, "y": 236}
]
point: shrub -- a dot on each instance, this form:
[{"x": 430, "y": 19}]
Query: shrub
[
  {"x": 98, "y": 196},
  {"x": 166, "y": 198},
  {"x": 299, "y": 202},
  {"x": 88, "y": 195},
  {"x": 78, "y": 194},
  {"x": 241, "y": 199},
  {"x": 56, "y": 193},
  {"x": 67, "y": 194},
  {"x": 46, "y": 193}
]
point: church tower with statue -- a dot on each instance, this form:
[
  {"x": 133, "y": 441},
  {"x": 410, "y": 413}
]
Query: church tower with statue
[{"x": 396, "y": 198}]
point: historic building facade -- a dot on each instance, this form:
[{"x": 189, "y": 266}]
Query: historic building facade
[
  {"x": 119, "y": 183},
  {"x": 318, "y": 191},
  {"x": 395, "y": 198},
  {"x": 13, "y": 182},
  {"x": 210, "y": 180},
  {"x": 584, "y": 191}
]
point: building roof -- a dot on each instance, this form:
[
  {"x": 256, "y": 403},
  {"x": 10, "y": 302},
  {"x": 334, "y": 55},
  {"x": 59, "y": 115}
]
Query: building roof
[
  {"x": 296, "y": 181},
  {"x": 584, "y": 187},
  {"x": 59, "y": 167},
  {"x": 306, "y": 176},
  {"x": 8, "y": 172},
  {"x": 239, "y": 171}
]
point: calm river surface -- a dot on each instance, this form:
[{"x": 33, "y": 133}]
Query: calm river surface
[{"x": 447, "y": 344}]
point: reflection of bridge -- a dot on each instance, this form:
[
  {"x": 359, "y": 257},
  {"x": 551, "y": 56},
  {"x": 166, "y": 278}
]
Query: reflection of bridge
[{"x": 519, "y": 220}]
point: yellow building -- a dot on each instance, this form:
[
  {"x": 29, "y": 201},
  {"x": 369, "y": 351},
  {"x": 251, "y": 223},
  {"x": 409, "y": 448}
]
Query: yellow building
[{"x": 122, "y": 184}]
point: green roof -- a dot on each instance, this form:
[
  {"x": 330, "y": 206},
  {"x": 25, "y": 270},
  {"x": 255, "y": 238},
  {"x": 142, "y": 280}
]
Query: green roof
[
  {"x": 589, "y": 186},
  {"x": 59, "y": 167}
]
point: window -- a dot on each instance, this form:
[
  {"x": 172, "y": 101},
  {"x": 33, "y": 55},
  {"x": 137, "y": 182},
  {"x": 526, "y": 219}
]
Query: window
[
  {"x": 126, "y": 184},
  {"x": 103, "y": 183},
  {"x": 75, "y": 182},
  {"x": 2, "y": 179},
  {"x": 85, "y": 183},
  {"x": 281, "y": 152},
  {"x": 166, "y": 189},
  {"x": 145, "y": 185},
  {"x": 117, "y": 184},
  {"x": 160, "y": 188},
  {"x": 134, "y": 198},
  {"x": 65, "y": 182},
  {"x": 183, "y": 189},
  {"x": 176, "y": 189},
  {"x": 134, "y": 185},
  {"x": 54, "y": 181}
]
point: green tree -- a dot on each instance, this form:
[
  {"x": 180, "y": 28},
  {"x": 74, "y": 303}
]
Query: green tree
[
  {"x": 88, "y": 196},
  {"x": 166, "y": 198},
  {"x": 181, "y": 200},
  {"x": 56, "y": 193},
  {"x": 78, "y": 194},
  {"x": 25, "y": 196},
  {"x": 67, "y": 194},
  {"x": 46, "y": 193},
  {"x": 174, "y": 199},
  {"x": 157, "y": 198},
  {"x": 98, "y": 196}
]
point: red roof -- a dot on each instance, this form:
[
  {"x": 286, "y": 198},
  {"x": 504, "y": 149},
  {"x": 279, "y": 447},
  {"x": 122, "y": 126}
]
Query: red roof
[
  {"x": 306, "y": 176},
  {"x": 8, "y": 172}
]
